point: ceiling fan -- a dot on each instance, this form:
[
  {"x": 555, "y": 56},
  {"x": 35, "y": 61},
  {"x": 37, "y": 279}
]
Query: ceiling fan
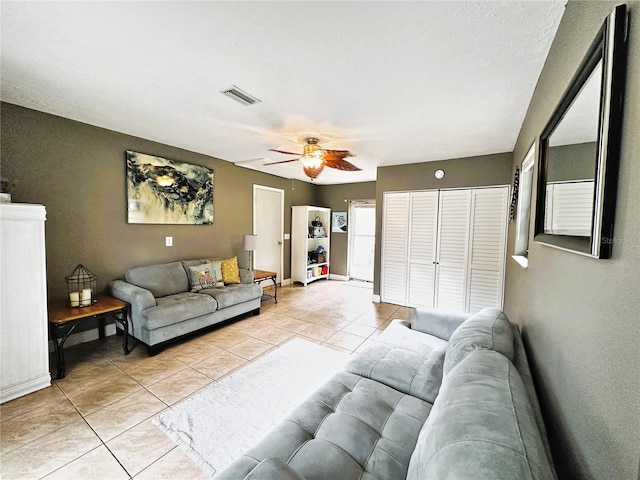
[{"x": 314, "y": 159}]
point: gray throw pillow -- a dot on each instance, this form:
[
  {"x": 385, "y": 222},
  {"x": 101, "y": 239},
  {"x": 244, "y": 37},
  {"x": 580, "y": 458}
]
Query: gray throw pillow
[
  {"x": 217, "y": 269},
  {"x": 201, "y": 277}
]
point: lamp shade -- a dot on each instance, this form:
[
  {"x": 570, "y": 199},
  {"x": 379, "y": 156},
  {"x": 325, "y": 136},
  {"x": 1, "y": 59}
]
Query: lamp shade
[{"x": 250, "y": 242}]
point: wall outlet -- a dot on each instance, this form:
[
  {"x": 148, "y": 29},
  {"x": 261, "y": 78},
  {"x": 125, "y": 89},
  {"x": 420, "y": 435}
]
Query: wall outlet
[
  {"x": 287, "y": 236},
  {"x": 168, "y": 241}
]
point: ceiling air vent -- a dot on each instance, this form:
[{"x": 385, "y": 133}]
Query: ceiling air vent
[{"x": 239, "y": 95}]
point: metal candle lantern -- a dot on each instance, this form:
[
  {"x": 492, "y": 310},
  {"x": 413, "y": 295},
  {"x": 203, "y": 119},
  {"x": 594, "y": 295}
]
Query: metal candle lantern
[{"x": 81, "y": 286}]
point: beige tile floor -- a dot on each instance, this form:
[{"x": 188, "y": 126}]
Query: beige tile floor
[{"x": 97, "y": 421}]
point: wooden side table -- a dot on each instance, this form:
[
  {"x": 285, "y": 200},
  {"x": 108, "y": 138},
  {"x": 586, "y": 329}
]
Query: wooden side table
[
  {"x": 260, "y": 276},
  {"x": 64, "y": 319}
]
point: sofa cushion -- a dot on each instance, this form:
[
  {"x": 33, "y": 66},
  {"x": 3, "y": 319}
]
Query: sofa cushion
[
  {"x": 404, "y": 359},
  {"x": 271, "y": 469},
  {"x": 161, "y": 280},
  {"x": 438, "y": 322},
  {"x": 233, "y": 294},
  {"x": 481, "y": 426},
  {"x": 351, "y": 427},
  {"x": 488, "y": 329},
  {"x": 176, "y": 308}
]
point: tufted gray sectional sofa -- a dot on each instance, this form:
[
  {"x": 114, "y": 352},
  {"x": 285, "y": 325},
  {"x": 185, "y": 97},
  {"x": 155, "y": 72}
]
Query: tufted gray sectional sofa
[
  {"x": 164, "y": 308},
  {"x": 449, "y": 396}
]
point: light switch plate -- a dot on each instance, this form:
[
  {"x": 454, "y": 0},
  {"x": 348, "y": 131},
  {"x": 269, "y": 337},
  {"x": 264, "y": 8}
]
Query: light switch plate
[
  {"x": 168, "y": 241},
  {"x": 287, "y": 236}
]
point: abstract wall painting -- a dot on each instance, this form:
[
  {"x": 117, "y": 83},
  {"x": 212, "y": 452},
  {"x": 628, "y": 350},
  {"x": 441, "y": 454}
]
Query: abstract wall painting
[
  {"x": 339, "y": 224},
  {"x": 163, "y": 191}
]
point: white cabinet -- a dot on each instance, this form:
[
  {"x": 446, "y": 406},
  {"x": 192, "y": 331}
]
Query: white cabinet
[
  {"x": 24, "y": 362},
  {"x": 305, "y": 239},
  {"x": 444, "y": 248}
]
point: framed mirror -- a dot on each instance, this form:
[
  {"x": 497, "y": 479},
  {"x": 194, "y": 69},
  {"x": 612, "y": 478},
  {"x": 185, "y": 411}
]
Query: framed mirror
[{"x": 580, "y": 147}]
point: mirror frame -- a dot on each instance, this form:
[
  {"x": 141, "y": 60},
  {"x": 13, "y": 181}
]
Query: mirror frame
[{"x": 610, "y": 47}]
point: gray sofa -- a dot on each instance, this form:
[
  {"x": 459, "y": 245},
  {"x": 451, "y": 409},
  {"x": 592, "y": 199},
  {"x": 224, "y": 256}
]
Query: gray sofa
[
  {"x": 449, "y": 396},
  {"x": 163, "y": 307}
]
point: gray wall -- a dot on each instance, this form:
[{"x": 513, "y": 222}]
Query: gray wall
[
  {"x": 572, "y": 162},
  {"x": 580, "y": 316},
  {"x": 78, "y": 172},
  {"x": 478, "y": 171}
]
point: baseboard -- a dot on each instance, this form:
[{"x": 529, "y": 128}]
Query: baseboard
[
  {"x": 43, "y": 381},
  {"x": 375, "y": 298},
  {"x": 335, "y": 276},
  {"x": 285, "y": 282},
  {"x": 86, "y": 336}
]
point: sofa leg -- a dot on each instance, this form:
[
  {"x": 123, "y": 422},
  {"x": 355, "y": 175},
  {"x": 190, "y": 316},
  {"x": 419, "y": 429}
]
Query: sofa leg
[
  {"x": 153, "y": 350},
  {"x": 256, "y": 312}
]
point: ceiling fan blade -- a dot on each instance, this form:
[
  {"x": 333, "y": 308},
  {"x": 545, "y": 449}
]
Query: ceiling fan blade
[
  {"x": 312, "y": 172},
  {"x": 282, "y": 151},
  {"x": 338, "y": 153},
  {"x": 283, "y": 161},
  {"x": 340, "y": 164}
]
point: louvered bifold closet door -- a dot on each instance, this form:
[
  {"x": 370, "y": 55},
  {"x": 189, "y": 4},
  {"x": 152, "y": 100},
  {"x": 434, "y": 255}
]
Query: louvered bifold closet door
[
  {"x": 488, "y": 243},
  {"x": 395, "y": 222},
  {"x": 453, "y": 249},
  {"x": 423, "y": 224},
  {"x": 571, "y": 208}
]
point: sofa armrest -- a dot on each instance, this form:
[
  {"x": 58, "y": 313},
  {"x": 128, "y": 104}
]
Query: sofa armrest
[
  {"x": 139, "y": 298},
  {"x": 437, "y": 322},
  {"x": 271, "y": 468},
  {"x": 246, "y": 276}
]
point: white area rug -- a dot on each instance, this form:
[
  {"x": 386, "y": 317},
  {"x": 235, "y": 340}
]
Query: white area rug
[{"x": 220, "y": 423}]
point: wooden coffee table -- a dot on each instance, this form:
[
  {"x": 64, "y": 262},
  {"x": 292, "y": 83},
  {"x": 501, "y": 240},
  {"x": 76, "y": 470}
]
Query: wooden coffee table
[
  {"x": 260, "y": 276},
  {"x": 64, "y": 319}
]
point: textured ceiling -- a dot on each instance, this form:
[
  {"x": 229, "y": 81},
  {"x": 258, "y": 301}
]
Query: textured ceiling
[{"x": 394, "y": 82}]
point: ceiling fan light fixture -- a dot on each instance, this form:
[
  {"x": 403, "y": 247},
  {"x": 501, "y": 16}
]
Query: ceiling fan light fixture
[
  {"x": 312, "y": 160},
  {"x": 312, "y": 146},
  {"x": 312, "y": 157}
]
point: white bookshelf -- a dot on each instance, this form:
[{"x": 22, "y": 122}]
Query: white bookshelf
[{"x": 302, "y": 243}]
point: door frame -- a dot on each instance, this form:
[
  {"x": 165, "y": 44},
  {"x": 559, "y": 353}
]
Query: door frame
[
  {"x": 257, "y": 187},
  {"x": 351, "y": 231}
]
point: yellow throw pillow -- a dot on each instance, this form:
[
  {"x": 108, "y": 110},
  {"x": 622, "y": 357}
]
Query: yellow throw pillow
[{"x": 230, "y": 272}]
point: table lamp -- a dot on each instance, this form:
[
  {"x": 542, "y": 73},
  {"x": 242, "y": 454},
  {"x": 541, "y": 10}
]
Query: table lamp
[{"x": 250, "y": 244}]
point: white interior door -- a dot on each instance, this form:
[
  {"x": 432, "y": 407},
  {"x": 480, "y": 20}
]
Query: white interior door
[
  {"x": 453, "y": 249},
  {"x": 487, "y": 238},
  {"x": 422, "y": 248},
  {"x": 268, "y": 225},
  {"x": 395, "y": 223},
  {"x": 362, "y": 240}
]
